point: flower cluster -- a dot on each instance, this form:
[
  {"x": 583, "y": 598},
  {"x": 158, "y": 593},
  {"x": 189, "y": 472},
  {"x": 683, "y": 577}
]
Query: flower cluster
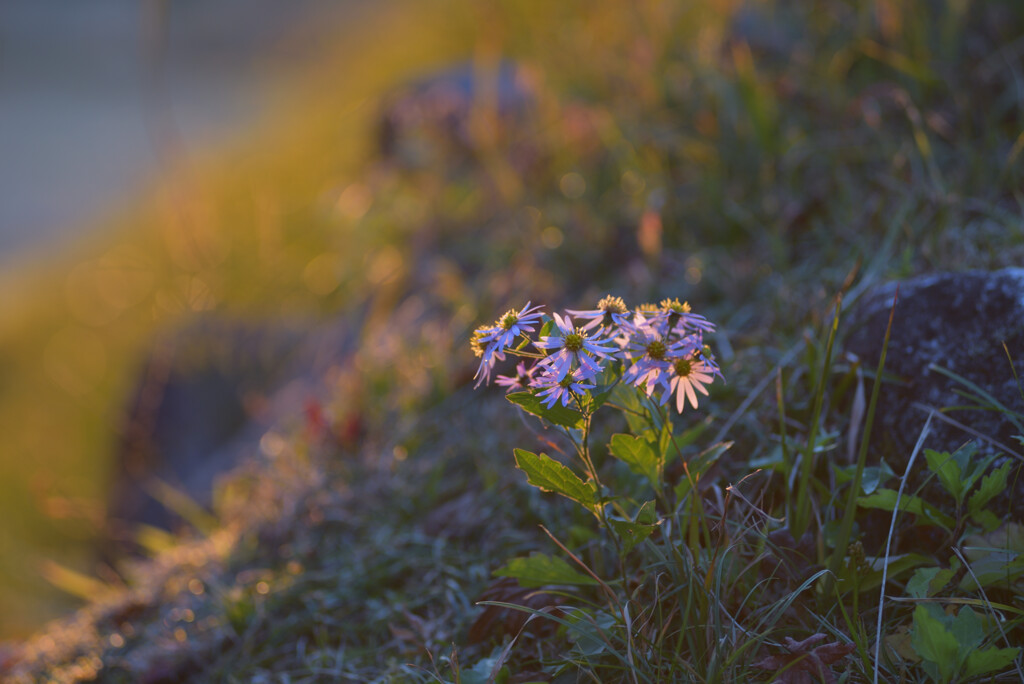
[{"x": 658, "y": 349}]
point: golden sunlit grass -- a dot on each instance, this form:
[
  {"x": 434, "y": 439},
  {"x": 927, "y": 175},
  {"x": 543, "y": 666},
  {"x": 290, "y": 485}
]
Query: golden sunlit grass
[{"x": 256, "y": 231}]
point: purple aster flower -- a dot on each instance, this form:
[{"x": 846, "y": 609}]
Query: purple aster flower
[
  {"x": 611, "y": 312},
  {"x": 514, "y": 323},
  {"x": 574, "y": 348},
  {"x": 489, "y": 342},
  {"x": 489, "y": 355},
  {"x": 554, "y": 390},
  {"x": 686, "y": 375},
  {"x": 682, "y": 320},
  {"x": 521, "y": 380},
  {"x": 652, "y": 353}
]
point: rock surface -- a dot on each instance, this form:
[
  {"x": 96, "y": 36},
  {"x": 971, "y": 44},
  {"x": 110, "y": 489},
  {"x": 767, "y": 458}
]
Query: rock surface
[{"x": 959, "y": 322}]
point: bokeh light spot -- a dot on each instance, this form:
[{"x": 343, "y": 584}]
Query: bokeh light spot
[
  {"x": 354, "y": 201},
  {"x": 573, "y": 185},
  {"x": 552, "y": 237}
]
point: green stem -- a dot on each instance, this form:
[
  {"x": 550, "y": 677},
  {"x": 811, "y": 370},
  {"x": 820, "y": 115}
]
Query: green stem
[
  {"x": 800, "y": 521},
  {"x": 845, "y": 528}
]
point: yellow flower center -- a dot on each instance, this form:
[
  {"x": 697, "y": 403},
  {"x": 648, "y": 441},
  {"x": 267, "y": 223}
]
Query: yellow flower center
[
  {"x": 612, "y": 304},
  {"x": 509, "y": 319},
  {"x": 682, "y": 367}
]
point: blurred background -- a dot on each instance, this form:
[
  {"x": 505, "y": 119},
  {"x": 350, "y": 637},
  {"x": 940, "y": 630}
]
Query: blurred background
[
  {"x": 116, "y": 116},
  {"x": 97, "y": 97}
]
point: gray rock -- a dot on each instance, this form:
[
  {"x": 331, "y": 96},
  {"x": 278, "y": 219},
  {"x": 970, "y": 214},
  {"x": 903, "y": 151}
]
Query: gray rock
[{"x": 959, "y": 322}]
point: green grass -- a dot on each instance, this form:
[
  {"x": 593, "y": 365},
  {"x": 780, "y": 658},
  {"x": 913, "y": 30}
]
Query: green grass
[{"x": 756, "y": 162}]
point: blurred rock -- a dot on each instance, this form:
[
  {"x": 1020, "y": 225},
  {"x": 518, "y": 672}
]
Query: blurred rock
[
  {"x": 455, "y": 110},
  {"x": 956, "y": 321},
  {"x": 205, "y": 399}
]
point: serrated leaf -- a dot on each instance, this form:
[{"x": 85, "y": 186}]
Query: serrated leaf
[
  {"x": 972, "y": 468},
  {"x": 557, "y": 414},
  {"x": 987, "y": 520},
  {"x": 636, "y": 453},
  {"x": 885, "y": 499},
  {"x": 989, "y": 660},
  {"x": 933, "y": 642},
  {"x": 549, "y": 475},
  {"x": 946, "y": 468},
  {"x": 991, "y": 486},
  {"x": 540, "y": 569}
]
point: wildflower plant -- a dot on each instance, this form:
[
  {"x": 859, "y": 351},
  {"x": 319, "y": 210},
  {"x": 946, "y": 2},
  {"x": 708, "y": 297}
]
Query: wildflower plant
[{"x": 641, "y": 362}]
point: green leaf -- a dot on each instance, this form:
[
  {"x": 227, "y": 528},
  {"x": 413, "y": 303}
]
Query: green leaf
[
  {"x": 894, "y": 565},
  {"x": 549, "y": 475},
  {"x": 606, "y": 384},
  {"x": 973, "y": 468},
  {"x": 997, "y": 567},
  {"x": 539, "y": 570},
  {"x": 637, "y": 416},
  {"x": 698, "y": 465},
  {"x": 987, "y": 520},
  {"x": 648, "y": 513},
  {"x": 589, "y": 633},
  {"x": 989, "y": 660},
  {"x": 638, "y": 455},
  {"x": 634, "y": 531},
  {"x": 933, "y": 642},
  {"x": 885, "y": 499},
  {"x": 872, "y": 477},
  {"x": 948, "y": 471},
  {"x": 707, "y": 458},
  {"x": 481, "y": 673},
  {"x": 631, "y": 533},
  {"x": 688, "y": 437},
  {"x": 968, "y": 630},
  {"x": 991, "y": 486},
  {"x": 928, "y": 581},
  {"x": 557, "y": 414}
]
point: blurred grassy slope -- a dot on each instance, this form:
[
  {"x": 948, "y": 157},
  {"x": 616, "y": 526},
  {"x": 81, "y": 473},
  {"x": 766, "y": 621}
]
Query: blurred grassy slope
[
  {"x": 742, "y": 157},
  {"x": 230, "y": 231}
]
